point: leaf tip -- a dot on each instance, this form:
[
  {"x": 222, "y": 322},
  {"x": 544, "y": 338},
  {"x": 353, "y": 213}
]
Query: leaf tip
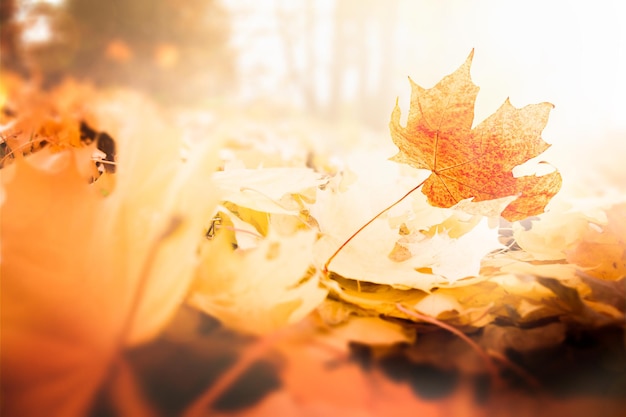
[
  {"x": 466, "y": 67},
  {"x": 395, "y": 113}
]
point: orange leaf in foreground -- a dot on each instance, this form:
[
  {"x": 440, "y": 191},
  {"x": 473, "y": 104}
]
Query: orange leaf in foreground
[
  {"x": 85, "y": 276},
  {"x": 473, "y": 163}
]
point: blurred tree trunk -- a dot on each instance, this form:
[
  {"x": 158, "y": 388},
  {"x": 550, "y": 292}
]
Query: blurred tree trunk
[
  {"x": 310, "y": 76},
  {"x": 377, "y": 104},
  {"x": 363, "y": 30},
  {"x": 8, "y": 36},
  {"x": 345, "y": 74}
]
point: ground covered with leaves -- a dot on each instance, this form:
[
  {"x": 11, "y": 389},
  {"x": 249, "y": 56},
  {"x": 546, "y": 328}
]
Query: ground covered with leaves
[{"x": 204, "y": 262}]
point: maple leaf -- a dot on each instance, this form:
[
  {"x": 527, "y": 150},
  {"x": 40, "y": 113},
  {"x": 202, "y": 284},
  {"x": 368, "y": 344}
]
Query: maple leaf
[
  {"x": 452, "y": 250},
  {"x": 267, "y": 189},
  {"x": 603, "y": 253},
  {"x": 83, "y": 275},
  {"x": 259, "y": 290},
  {"x": 473, "y": 163}
]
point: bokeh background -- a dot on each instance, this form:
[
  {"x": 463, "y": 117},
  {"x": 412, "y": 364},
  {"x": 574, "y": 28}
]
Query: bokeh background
[
  {"x": 331, "y": 70},
  {"x": 344, "y": 61}
]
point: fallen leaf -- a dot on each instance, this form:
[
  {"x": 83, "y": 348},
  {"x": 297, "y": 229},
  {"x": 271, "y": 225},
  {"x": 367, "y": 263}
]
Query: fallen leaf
[
  {"x": 452, "y": 258},
  {"x": 264, "y": 189},
  {"x": 377, "y": 298},
  {"x": 601, "y": 252},
  {"x": 84, "y": 275},
  {"x": 607, "y": 292},
  {"x": 502, "y": 338},
  {"x": 439, "y": 246},
  {"x": 473, "y": 163},
  {"x": 372, "y": 331},
  {"x": 435, "y": 304},
  {"x": 552, "y": 234},
  {"x": 261, "y": 289},
  {"x": 365, "y": 259}
]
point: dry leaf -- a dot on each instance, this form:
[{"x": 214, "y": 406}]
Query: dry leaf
[
  {"x": 439, "y": 246},
  {"x": 602, "y": 252},
  {"x": 85, "y": 275},
  {"x": 372, "y": 331},
  {"x": 473, "y": 163},
  {"x": 501, "y": 338},
  {"x": 452, "y": 258},
  {"x": 263, "y": 189},
  {"x": 435, "y": 304},
  {"x": 261, "y": 289},
  {"x": 377, "y": 298},
  {"x": 73, "y": 262}
]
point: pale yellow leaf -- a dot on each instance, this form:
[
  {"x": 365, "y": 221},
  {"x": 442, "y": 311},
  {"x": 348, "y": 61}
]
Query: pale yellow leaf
[
  {"x": 262, "y": 289},
  {"x": 372, "y": 331},
  {"x": 266, "y": 189},
  {"x": 435, "y": 304}
]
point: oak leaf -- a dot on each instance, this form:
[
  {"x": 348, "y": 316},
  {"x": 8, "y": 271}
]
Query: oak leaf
[{"x": 473, "y": 163}]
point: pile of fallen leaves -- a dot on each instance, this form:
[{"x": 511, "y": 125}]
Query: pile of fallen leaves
[{"x": 153, "y": 263}]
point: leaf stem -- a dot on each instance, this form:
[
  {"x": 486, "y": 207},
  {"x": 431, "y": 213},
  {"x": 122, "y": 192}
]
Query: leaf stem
[
  {"x": 344, "y": 244},
  {"x": 489, "y": 364}
]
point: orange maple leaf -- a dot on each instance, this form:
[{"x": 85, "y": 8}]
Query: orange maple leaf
[
  {"x": 85, "y": 276},
  {"x": 473, "y": 163}
]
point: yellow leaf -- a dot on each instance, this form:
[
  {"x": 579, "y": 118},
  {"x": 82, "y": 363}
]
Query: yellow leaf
[
  {"x": 263, "y": 189},
  {"x": 261, "y": 289}
]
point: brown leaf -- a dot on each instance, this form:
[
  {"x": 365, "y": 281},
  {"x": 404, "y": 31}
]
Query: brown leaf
[
  {"x": 473, "y": 163},
  {"x": 567, "y": 295}
]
